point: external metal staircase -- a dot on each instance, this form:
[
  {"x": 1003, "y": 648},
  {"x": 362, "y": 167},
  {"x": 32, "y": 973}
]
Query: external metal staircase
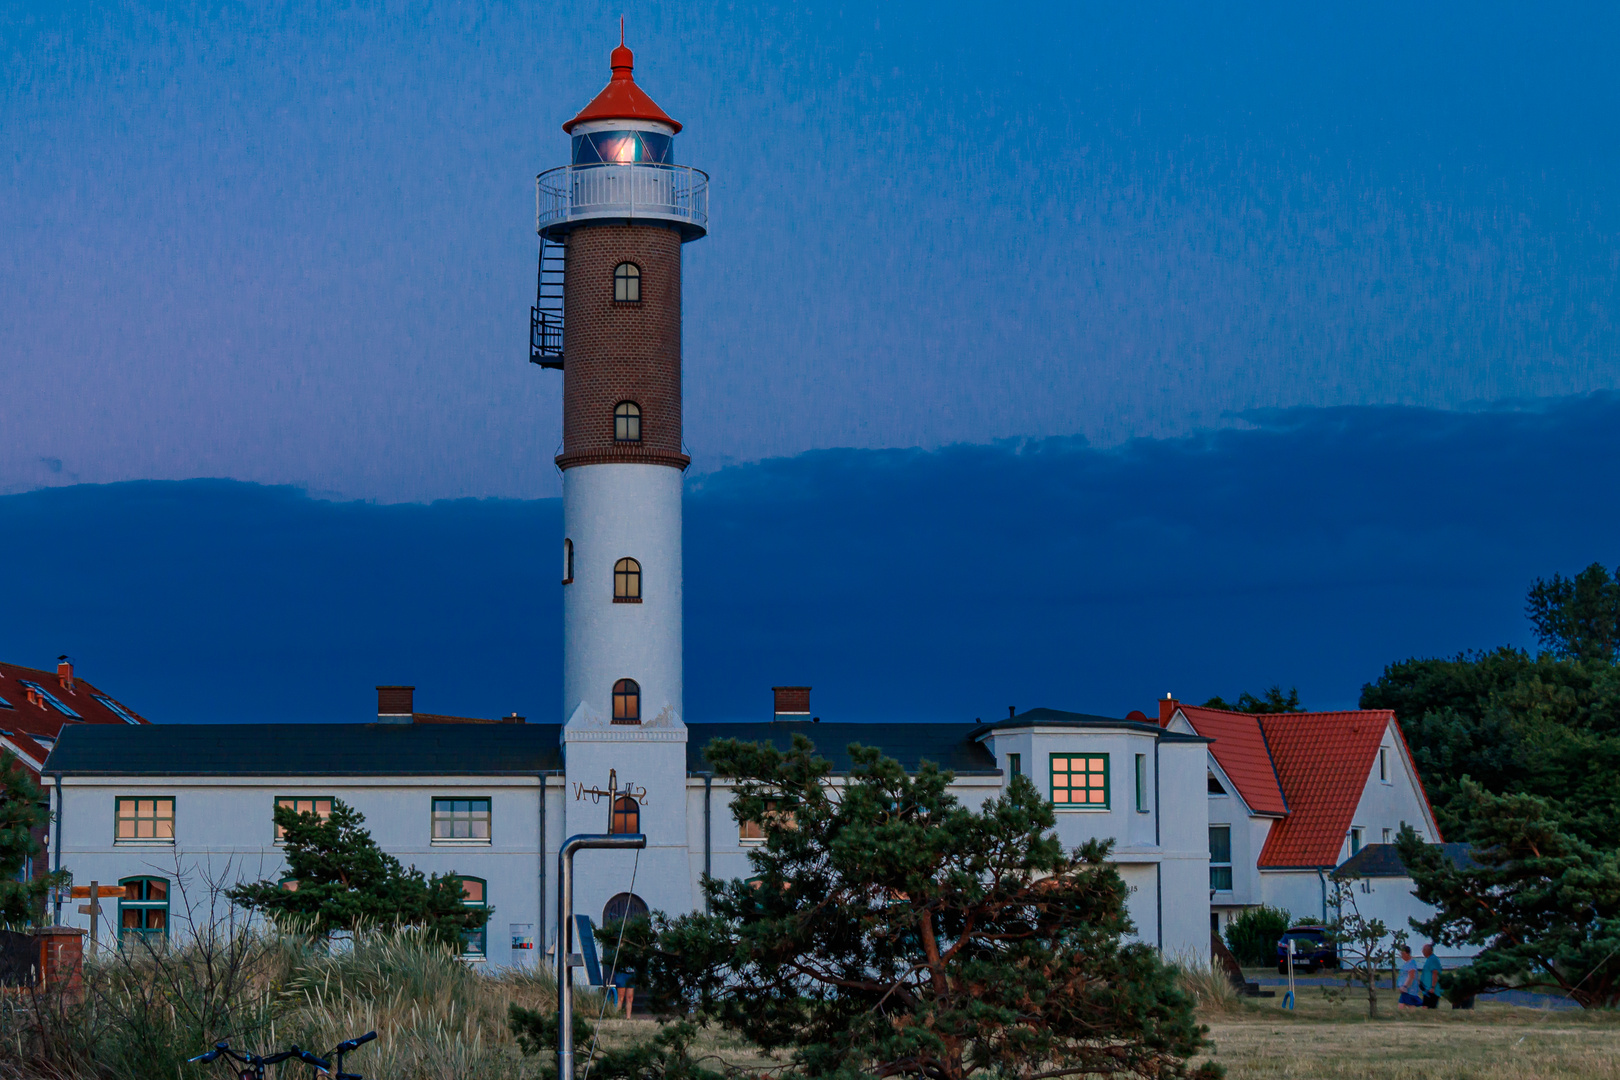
[{"x": 546, "y": 317}]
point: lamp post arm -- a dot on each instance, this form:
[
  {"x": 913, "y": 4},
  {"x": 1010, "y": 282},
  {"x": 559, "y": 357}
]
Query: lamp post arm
[{"x": 565, "y": 933}]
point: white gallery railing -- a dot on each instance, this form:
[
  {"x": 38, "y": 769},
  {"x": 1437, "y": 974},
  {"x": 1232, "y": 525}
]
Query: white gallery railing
[{"x": 644, "y": 189}]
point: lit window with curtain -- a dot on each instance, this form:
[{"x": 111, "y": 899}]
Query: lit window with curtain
[
  {"x": 626, "y": 702},
  {"x": 144, "y": 819},
  {"x": 143, "y": 911}
]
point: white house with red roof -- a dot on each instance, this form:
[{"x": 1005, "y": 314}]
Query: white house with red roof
[{"x": 1294, "y": 795}]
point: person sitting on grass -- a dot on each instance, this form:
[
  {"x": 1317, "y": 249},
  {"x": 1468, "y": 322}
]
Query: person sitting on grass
[
  {"x": 1429, "y": 982},
  {"x": 1409, "y": 998}
]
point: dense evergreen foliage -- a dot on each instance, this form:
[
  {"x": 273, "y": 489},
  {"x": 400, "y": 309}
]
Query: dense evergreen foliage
[
  {"x": 1545, "y": 904},
  {"x": 1272, "y": 701},
  {"x": 890, "y": 931},
  {"x": 22, "y": 810},
  {"x": 345, "y": 881}
]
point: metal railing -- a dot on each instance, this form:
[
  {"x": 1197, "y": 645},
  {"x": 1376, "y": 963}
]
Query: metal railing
[{"x": 643, "y": 189}]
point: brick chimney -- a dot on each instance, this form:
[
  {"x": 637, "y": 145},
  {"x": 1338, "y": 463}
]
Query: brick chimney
[
  {"x": 395, "y": 704},
  {"x": 64, "y": 672},
  {"x": 792, "y": 702},
  {"x": 1167, "y": 708}
]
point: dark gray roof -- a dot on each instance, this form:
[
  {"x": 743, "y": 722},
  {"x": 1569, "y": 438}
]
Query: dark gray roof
[
  {"x": 1384, "y": 860},
  {"x": 950, "y": 746},
  {"x": 1060, "y": 718},
  {"x": 306, "y": 749}
]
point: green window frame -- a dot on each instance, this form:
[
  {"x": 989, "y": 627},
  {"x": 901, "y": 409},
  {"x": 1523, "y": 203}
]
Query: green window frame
[
  {"x": 143, "y": 819},
  {"x": 475, "y": 894},
  {"x": 461, "y": 820},
  {"x": 320, "y": 805},
  {"x": 1080, "y": 782},
  {"x": 1141, "y": 784},
  {"x": 1220, "y": 858},
  {"x": 1015, "y": 764},
  {"x": 143, "y": 911}
]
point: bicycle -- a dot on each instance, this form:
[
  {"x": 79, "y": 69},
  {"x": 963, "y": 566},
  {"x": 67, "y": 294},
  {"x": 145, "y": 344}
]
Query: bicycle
[
  {"x": 323, "y": 1068},
  {"x": 256, "y": 1064}
]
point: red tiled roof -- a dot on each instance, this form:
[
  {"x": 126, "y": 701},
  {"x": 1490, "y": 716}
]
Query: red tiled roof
[
  {"x": 621, "y": 98},
  {"x": 33, "y": 723},
  {"x": 1323, "y": 760},
  {"x": 1240, "y": 750}
]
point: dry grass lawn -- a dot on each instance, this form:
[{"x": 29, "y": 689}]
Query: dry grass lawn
[
  {"x": 1335, "y": 1041},
  {"x": 1327, "y": 1041}
]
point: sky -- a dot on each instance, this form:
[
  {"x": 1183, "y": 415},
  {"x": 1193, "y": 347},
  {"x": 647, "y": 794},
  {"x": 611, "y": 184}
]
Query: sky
[
  {"x": 1056, "y": 355},
  {"x": 1309, "y": 549},
  {"x": 292, "y": 243}
]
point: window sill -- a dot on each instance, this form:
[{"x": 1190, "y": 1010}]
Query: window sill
[
  {"x": 567, "y": 581},
  {"x": 749, "y": 841},
  {"x": 627, "y": 599},
  {"x": 460, "y": 841},
  {"x": 143, "y": 843},
  {"x": 1081, "y": 809}
]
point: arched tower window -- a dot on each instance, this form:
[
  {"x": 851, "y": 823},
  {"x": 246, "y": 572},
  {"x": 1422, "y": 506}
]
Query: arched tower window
[
  {"x": 626, "y": 702},
  {"x": 626, "y": 905},
  {"x": 627, "y": 284},
  {"x": 626, "y": 815},
  {"x": 568, "y": 562},
  {"x": 627, "y": 582},
  {"x": 627, "y": 422}
]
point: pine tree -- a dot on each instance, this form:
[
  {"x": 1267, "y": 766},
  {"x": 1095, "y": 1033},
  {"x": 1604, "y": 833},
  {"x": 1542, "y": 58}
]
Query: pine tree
[
  {"x": 22, "y": 810},
  {"x": 890, "y": 931},
  {"x": 339, "y": 879}
]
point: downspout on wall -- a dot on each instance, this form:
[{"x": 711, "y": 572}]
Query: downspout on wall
[
  {"x": 56, "y": 836},
  {"x": 708, "y": 784},
  {"x": 541, "y": 930},
  {"x": 1158, "y": 867}
]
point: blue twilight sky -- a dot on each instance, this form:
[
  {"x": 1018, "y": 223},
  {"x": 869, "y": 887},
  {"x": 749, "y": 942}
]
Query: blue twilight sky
[
  {"x": 291, "y": 243},
  {"x": 1309, "y": 550}
]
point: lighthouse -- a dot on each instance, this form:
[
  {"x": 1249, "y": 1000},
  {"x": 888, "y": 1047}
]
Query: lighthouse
[{"x": 612, "y": 223}]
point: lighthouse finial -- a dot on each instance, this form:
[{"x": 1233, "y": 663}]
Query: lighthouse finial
[{"x": 621, "y": 29}]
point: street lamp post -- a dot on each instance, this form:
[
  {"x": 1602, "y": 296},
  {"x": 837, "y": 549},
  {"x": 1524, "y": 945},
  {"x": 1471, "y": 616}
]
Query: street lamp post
[{"x": 566, "y": 958}]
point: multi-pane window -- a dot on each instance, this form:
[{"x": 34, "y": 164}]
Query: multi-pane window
[
  {"x": 1220, "y": 858},
  {"x": 753, "y": 832},
  {"x": 141, "y": 817},
  {"x": 626, "y": 702},
  {"x": 320, "y": 806},
  {"x": 1141, "y": 784},
  {"x": 627, "y": 422},
  {"x": 475, "y": 894},
  {"x": 461, "y": 819},
  {"x": 627, "y": 581},
  {"x": 568, "y": 562},
  {"x": 627, "y": 283},
  {"x": 143, "y": 910},
  {"x": 1080, "y": 780},
  {"x": 626, "y": 816}
]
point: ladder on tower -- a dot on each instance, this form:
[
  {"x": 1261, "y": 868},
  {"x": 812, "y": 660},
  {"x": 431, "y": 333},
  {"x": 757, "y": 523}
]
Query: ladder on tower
[{"x": 546, "y": 317}]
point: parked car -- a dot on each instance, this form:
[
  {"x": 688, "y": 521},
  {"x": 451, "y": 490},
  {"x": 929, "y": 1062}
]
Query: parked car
[{"x": 1312, "y": 949}]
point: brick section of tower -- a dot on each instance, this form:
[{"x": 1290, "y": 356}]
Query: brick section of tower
[{"x": 622, "y": 351}]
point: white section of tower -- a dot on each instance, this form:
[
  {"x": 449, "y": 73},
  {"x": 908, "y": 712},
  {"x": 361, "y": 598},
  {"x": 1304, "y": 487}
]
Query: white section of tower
[{"x": 611, "y": 512}]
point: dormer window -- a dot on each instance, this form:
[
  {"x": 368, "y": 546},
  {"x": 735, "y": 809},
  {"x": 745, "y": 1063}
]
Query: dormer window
[
  {"x": 1215, "y": 786},
  {"x": 627, "y": 284},
  {"x": 627, "y": 422}
]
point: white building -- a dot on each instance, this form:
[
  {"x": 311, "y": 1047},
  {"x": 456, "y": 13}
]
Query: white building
[
  {"x": 167, "y": 809},
  {"x": 1294, "y": 796}
]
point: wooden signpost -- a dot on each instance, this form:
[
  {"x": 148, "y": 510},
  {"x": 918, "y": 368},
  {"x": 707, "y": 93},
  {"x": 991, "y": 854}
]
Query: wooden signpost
[{"x": 94, "y": 892}]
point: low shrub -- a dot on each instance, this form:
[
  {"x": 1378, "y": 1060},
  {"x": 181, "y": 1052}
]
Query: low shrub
[{"x": 1253, "y": 935}]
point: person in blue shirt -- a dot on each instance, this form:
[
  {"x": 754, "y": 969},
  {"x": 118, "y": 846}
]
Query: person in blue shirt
[{"x": 1430, "y": 980}]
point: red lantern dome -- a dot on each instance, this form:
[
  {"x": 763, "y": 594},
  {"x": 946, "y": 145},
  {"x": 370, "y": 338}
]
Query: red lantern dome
[{"x": 621, "y": 98}]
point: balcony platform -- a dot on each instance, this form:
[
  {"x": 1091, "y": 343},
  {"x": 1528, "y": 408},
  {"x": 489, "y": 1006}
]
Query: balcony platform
[{"x": 642, "y": 192}]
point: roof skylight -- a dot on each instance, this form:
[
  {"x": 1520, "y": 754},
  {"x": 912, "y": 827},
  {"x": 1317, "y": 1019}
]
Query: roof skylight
[
  {"x": 51, "y": 699},
  {"x": 117, "y": 708}
]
